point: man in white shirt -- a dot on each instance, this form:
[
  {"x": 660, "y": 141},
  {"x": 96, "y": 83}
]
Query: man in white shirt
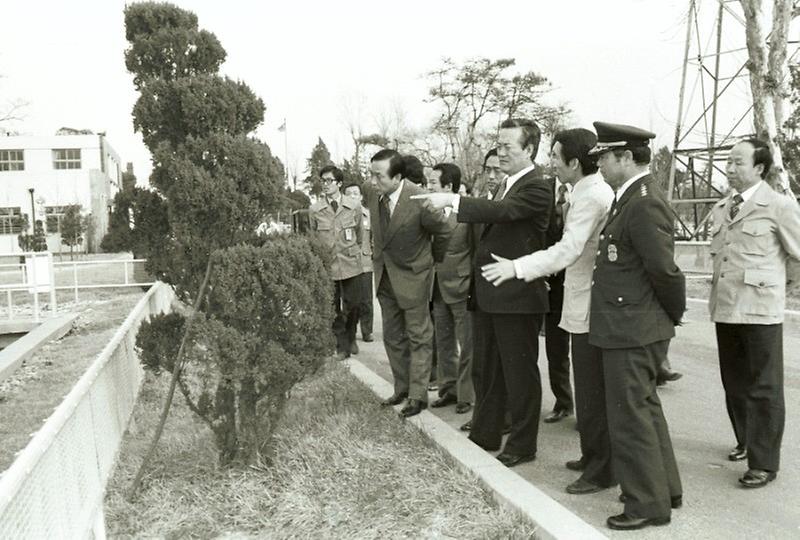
[{"x": 584, "y": 218}]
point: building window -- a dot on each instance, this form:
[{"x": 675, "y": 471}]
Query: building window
[
  {"x": 54, "y": 216},
  {"x": 67, "y": 158},
  {"x": 11, "y": 221},
  {"x": 11, "y": 160}
]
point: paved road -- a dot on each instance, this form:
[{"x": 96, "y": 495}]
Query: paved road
[{"x": 714, "y": 505}]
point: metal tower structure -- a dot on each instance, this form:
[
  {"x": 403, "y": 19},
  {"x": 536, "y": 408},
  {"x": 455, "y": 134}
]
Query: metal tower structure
[{"x": 712, "y": 115}]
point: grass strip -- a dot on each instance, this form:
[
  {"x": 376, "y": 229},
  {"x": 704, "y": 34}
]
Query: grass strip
[{"x": 343, "y": 468}]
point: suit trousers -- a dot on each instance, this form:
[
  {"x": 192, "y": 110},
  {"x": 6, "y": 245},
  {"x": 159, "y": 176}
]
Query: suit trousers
[
  {"x": 407, "y": 338},
  {"x": 507, "y": 349},
  {"x": 365, "y": 313},
  {"x": 346, "y": 302},
  {"x": 590, "y": 408},
  {"x": 454, "y": 348},
  {"x": 556, "y": 344},
  {"x": 751, "y": 365},
  {"x": 641, "y": 449}
]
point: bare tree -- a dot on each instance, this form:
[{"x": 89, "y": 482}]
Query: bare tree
[
  {"x": 11, "y": 110},
  {"x": 769, "y": 76}
]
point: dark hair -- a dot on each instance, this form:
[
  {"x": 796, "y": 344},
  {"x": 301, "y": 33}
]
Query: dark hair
[
  {"x": 575, "y": 144},
  {"x": 396, "y": 163},
  {"x": 414, "y": 170},
  {"x": 450, "y": 175},
  {"x": 490, "y": 153},
  {"x": 762, "y": 155},
  {"x": 338, "y": 175},
  {"x": 531, "y": 134},
  {"x": 351, "y": 183},
  {"x": 640, "y": 154}
]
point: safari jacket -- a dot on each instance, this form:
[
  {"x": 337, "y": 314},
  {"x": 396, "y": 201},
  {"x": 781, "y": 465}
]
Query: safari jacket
[
  {"x": 750, "y": 254},
  {"x": 342, "y": 231}
]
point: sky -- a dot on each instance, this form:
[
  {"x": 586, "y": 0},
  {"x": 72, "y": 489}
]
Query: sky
[{"x": 312, "y": 61}]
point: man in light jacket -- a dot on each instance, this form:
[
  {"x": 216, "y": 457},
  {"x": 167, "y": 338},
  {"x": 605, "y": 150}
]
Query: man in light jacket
[{"x": 756, "y": 231}]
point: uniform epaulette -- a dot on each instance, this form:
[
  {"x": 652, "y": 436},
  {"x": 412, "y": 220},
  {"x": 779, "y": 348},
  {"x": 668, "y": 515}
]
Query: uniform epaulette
[{"x": 643, "y": 190}]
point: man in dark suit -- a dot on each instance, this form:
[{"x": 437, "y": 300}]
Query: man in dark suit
[
  {"x": 638, "y": 296},
  {"x": 556, "y": 339},
  {"x": 407, "y": 235},
  {"x": 451, "y": 319},
  {"x": 508, "y": 317},
  {"x": 756, "y": 232}
]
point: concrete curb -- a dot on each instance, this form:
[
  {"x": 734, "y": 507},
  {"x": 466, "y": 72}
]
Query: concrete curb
[
  {"x": 789, "y": 315},
  {"x": 553, "y": 521},
  {"x": 12, "y": 356}
]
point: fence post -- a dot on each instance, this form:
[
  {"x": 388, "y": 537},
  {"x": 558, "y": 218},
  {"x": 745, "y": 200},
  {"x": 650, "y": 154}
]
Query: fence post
[
  {"x": 75, "y": 279},
  {"x": 53, "y": 300},
  {"x": 35, "y": 288},
  {"x": 10, "y": 305},
  {"x": 125, "y": 266}
]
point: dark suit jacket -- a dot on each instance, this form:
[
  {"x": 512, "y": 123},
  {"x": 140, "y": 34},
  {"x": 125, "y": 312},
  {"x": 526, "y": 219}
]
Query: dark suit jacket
[
  {"x": 638, "y": 292},
  {"x": 515, "y": 226},
  {"x": 406, "y": 250},
  {"x": 453, "y": 273}
]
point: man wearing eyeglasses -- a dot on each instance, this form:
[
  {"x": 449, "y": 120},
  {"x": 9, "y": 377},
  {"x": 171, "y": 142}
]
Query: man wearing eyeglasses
[{"x": 336, "y": 218}]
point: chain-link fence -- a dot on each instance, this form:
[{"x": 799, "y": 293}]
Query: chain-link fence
[{"x": 55, "y": 487}]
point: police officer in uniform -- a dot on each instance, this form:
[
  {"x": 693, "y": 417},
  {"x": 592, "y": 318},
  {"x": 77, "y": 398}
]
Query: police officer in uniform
[
  {"x": 337, "y": 219},
  {"x": 638, "y": 296}
]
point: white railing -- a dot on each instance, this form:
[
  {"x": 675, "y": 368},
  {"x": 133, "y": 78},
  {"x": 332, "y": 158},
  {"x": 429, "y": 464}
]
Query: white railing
[
  {"x": 55, "y": 487},
  {"x": 67, "y": 276}
]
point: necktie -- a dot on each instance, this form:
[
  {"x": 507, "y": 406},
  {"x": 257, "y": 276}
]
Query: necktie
[
  {"x": 383, "y": 209},
  {"x": 334, "y": 205},
  {"x": 737, "y": 205},
  {"x": 501, "y": 190},
  {"x": 560, "y": 201}
]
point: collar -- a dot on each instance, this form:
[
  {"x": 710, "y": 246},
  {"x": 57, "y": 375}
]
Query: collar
[
  {"x": 628, "y": 183},
  {"x": 394, "y": 196},
  {"x": 511, "y": 180},
  {"x": 337, "y": 198},
  {"x": 749, "y": 192}
]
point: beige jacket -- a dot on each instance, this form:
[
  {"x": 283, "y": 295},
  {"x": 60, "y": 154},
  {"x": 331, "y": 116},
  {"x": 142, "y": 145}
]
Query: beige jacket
[
  {"x": 750, "y": 254},
  {"x": 342, "y": 232},
  {"x": 585, "y": 216}
]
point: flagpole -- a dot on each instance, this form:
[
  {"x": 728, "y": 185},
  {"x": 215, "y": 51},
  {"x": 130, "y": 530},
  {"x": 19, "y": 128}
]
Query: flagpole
[{"x": 286, "y": 153}]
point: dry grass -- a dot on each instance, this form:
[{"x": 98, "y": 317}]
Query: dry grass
[
  {"x": 344, "y": 468},
  {"x": 28, "y": 397}
]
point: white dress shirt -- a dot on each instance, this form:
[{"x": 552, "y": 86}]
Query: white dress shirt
[
  {"x": 511, "y": 180},
  {"x": 394, "y": 196}
]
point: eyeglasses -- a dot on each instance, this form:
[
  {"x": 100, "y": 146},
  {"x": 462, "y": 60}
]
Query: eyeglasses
[{"x": 328, "y": 180}]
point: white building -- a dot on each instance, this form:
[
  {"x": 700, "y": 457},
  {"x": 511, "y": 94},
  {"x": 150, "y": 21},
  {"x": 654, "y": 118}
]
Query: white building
[{"x": 62, "y": 170}]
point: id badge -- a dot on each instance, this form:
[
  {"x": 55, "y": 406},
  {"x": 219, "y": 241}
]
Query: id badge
[{"x": 348, "y": 234}]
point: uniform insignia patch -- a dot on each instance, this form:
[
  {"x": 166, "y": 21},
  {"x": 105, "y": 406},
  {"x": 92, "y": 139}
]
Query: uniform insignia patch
[{"x": 612, "y": 252}]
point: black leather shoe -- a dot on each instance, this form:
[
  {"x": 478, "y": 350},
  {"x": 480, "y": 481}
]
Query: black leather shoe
[
  {"x": 394, "y": 399},
  {"x": 737, "y": 454},
  {"x": 485, "y": 446},
  {"x": 412, "y": 408},
  {"x": 510, "y": 460},
  {"x": 674, "y": 502},
  {"x": 664, "y": 377},
  {"x": 466, "y": 426},
  {"x": 623, "y": 522},
  {"x": 576, "y": 464},
  {"x": 555, "y": 416},
  {"x": 463, "y": 407},
  {"x": 444, "y": 401},
  {"x": 582, "y": 487},
  {"x": 756, "y": 478},
  {"x": 367, "y": 338},
  {"x": 353, "y": 348}
]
